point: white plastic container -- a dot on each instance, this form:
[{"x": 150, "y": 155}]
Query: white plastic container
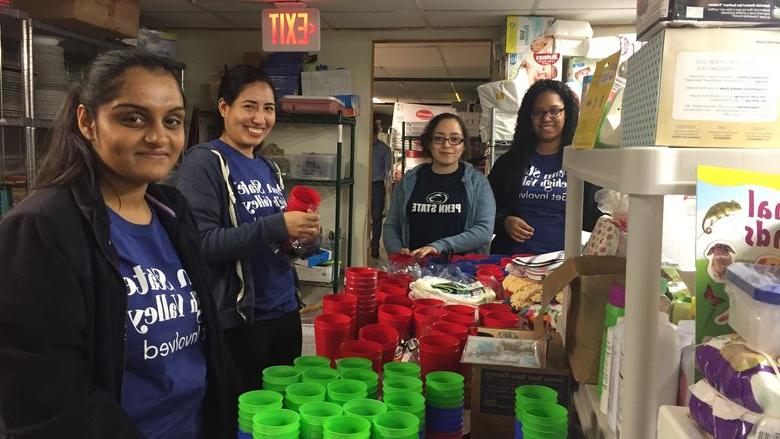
[
  {"x": 313, "y": 166},
  {"x": 754, "y": 304}
]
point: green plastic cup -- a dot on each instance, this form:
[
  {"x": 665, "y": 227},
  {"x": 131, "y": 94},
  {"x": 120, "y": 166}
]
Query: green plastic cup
[
  {"x": 401, "y": 384},
  {"x": 276, "y": 422},
  {"x": 544, "y": 416},
  {"x": 320, "y": 375},
  {"x": 259, "y": 399},
  {"x": 395, "y": 368},
  {"x": 349, "y": 363},
  {"x": 300, "y": 393},
  {"x": 369, "y": 377},
  {"x": 556, "y": 432},
  {"x": 314, "y": 414},
  {"x": 310, "y": 361},
  {"x": 532, "y": 394},
  {"x": 341, "y": 391},
  {"x": 293, "y": 435},
  {"x": 396, "y": 425},
  {"x": 346, "y": 427},
  {"x": 364, "y": 408},
  {"x": 277, "y": 378},
  {"x": 443, "y": 380},
  {"x": 405, "y": 401}
]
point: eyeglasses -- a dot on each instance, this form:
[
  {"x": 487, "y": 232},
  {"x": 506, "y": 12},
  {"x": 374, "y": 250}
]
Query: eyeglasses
[
  {"x": 554, "y": 113},
  {"x": 454, "y": 140}
]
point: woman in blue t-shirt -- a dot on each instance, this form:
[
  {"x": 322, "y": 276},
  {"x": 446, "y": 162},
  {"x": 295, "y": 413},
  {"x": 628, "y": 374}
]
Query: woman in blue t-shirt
[
  {"x": 239, "y": 203},
  {"x": 528, "y": 182},
  {"x": 107, "y": 325}
]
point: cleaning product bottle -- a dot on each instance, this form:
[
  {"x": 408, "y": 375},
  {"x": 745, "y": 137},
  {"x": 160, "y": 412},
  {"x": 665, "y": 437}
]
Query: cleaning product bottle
[
  {"x": 615, "y": 379},
  {"x": 616, "y": 307}
]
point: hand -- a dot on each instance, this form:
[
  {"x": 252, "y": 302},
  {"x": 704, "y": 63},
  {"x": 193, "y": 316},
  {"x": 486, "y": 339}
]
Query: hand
[
  {"x": 518, "y": 229},
  {"x": 424, "y": 251},
  {"x": 404, "y": 251},
  {"x": 302, "y": 225}
]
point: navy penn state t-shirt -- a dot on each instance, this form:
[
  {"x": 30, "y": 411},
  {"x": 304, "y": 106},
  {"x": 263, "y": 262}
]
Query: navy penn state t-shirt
[
  {"x": 258, "y": 195},
  {"x": 542, "y": 204},
  {"x": 164, "y": 379},
  {"x": 437, "y": 207}
]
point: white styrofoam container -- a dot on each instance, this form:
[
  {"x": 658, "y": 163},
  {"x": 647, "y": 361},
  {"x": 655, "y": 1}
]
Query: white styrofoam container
[
  {"x": 754, "y": 304},
  {"x": 315, "y": 274},
  {"x": 313, "y": 166}
]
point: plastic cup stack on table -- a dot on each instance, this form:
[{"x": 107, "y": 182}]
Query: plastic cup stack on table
[
  {"x": 343, "y": 390},
  {"x": 346, "y": 427},
  {"x": 400, "y": 299},
  {"x": 300, "y": 393},
  {"x": 407, "y": 402},
  {"x": 501, "y": 319},
  {"x": 492, "y": 307},
  {"x": 364, "y": 349},
  {"x": 320, "y": 375},
  {"x": 466, "y": 310},
  {"x": 254, "y": 402},
  {"x": 399, "y": 317},
  {"x": 302, "y": 199},
  {"x": 351, "y": 363},
  {"x": 422, "y": 303},
  {"x": 537, "y": 406},
  {"x": 314, "y": 415},
  {"x": 330, "y": 331},
  {"x": 346, "y": 304},
  {"x": 276, "y": 424},
  {"x": 392, "y": 289},
  {"x": 362, "y": 282},
  {"x": 439, "y": 352},
  {"x": 398, "y": 368},
  {"x": 385, "y": 335},
  {"x": 401, "y": 384},
  {"x": 310, "y": 362},
  {"x": 277, "y": 378},
  {"x": 396, "y": 425},
  {"x": 425, "y": 317},
  {"x": 444, "y": 405},
  {"x": 367, "y": 376},
  {"x": 364, "y": 408},
  {"x": 461, "y": 319}
]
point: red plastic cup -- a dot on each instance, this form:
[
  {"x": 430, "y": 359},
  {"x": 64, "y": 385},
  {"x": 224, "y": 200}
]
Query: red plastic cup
[
  {"x": 330, "y": 331},
  {"x": 428, "y": 302},
  {"x": 501, "y": 319},
  {"x": 468, "y": 321},
  {"x": 505, "y": 262},
  {"x": 397, "y": 316},
  {"x": 401, "y": 259},
  {"x": 302, "y": 199},
  {"x": 439, "y": 352},
  {"x": 364, "y": 349},
  {"x": 381, "y": 275},
  {"x": 461, "y": 309},
  {"x": 385, "y": 335},
  {"x": 425, "y": 317},
  {"x": 360, "y": 273},
  {"x": 474, "y": 257},
  {"x": 492, "y": 307},
  {"x": 392, "y": 289},
  {"x": 452, "y": 329},
  {"x": 399, "y": 300}
]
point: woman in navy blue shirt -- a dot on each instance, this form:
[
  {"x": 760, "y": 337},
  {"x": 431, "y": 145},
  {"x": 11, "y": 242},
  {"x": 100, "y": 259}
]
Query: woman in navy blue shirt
[{"x": 240, "y": 206}]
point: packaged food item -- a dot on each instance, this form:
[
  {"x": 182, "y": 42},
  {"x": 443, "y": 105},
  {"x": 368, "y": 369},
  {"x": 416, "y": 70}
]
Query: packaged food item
[{"x": 718, "y": 416}]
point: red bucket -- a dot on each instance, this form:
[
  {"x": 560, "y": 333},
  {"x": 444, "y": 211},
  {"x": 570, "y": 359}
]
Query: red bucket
[
  {"x": 385, "y": 335},
  {"x": 425, "y": 317},
  {"x": 500, "y": 319},
  {"x": 363, "y": 349},
  {"x": 302, "y": 199}
]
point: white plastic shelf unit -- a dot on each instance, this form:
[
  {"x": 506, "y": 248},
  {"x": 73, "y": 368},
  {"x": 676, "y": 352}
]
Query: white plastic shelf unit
[{"x": 646, "y": 174}]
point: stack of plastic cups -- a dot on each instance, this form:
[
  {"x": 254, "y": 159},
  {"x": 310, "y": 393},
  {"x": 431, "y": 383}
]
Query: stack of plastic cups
[
  {"x": 385, "y": 335},
  {"x": 367, "y": 376},
  {"x": 276, "y": 424},
  {"x": 458, "y": 331},
  {"x": 492, "y": 307},
  {"x": 422, "y": 303},
  {"x": 362, "y": 282},
  {"x": 364, "y": 408},
  {"x": 398, "y": 368},
  {"x": 342, "y": 391},
  {"x": 352, "y": 363},
  {"x": 254, "y": 402},
  {"x": 537, "y": 406},
  {"x": 462, "y": 319},
  {"x": 466, "y": 310},
  {"x": 399, "y": 317},
  {"x": 277, "y": 378},
  {"x": 320, "y": 375},
  {"x": 402, "y": 300},
  {"x": 330, "y": 331},
  {"x": 310, "y": 362},
  {"x": 408, "y": 402},
  {"x": 392, "y": 288},
  {"x": 314, "y": 415},
  {"x": 501, "y": 319},
  {"x": 439, "y": 352},
  {"x": 396, "y": 425},
  {"x": 346, "y": 427},
  {"x": 300, "y": 393},
  {"x": 425, "y": 317},
  {"x": 401, "y": 384},
  {"x": 444, "y": 405},
  {"x": 346, "y": 304},
  {"x": 364, "y": 349}
]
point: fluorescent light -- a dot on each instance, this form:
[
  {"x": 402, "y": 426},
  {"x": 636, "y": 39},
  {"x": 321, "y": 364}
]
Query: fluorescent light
[{"x": 377, "y": 101}]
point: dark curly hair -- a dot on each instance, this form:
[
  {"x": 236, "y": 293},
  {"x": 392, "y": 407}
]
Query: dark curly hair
[
  {"x": 426, "y": 138},
  {"x": 524, "y": 139}
]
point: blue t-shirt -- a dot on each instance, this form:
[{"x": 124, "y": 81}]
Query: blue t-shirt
[
  {"x": 165, "y": 367},
  {"x": 542, "y": 204},
  {"x": 259, "y": 194}
]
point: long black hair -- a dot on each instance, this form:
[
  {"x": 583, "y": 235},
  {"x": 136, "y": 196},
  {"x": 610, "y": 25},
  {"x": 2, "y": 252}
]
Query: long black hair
[
  {"x": 233, "y": 82},
  {"x": 69, "y": 155},
  {"x": 524, "y": 140},
  {"x": 426, "y": 138}
]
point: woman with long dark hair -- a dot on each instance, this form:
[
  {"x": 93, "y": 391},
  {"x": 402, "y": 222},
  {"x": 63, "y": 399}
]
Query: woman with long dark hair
[
  {"x": 442, "y": 207},
  {"x": 240, "y": 206},
  {"x": 528, "y": 182},
  {"x": 107, "y": 325}
]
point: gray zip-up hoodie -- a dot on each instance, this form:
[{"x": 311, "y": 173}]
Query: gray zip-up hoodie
[{"x": 480, "y": 215}]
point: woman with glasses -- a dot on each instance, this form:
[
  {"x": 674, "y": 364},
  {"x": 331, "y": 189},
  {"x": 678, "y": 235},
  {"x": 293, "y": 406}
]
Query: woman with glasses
[
  {"x": 528, "y": 182},
  {"x": 442, "y": 207}
]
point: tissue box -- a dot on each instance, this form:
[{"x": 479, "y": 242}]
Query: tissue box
[
  {"x": 714, "y": 88},
  {"x": 522, "y": 31}
]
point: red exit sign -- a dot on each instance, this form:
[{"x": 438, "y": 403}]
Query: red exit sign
[{"x": 291, "y": 30}]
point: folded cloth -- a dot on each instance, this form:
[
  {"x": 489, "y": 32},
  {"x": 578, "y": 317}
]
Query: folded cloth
[
  {"x": 451, "y": 292},
  {"x": 535, "y": 267}
]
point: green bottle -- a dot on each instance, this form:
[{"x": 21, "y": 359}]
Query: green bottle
[{"x": 616, "y": 307}]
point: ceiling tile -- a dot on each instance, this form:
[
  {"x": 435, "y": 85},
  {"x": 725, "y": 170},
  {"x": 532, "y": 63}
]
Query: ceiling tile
[
  {"x": 466, "y": 56},
  {"x": 420, "y": 56},
  {"x": 188, "y": 20},
  {"x": 594, "y": 16},
  {"x": 372, "y": 20},
  {"x": 472, "y": 5},
  {"x": 168, "y": 6},
  {"x": 243, "y": 20},
  {"x": 590, "y": 4},
  {"x": 474, "y": 18},
  {"x": 232, "y": 5},
  {"x": 362, "y": 5}
]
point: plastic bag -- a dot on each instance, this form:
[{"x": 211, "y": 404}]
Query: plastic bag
[{"x": 609, "y": 235}]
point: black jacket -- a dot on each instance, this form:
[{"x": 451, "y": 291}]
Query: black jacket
[
  {"x": 62, "y": 318},
  {"x": 505, "y": 179}
]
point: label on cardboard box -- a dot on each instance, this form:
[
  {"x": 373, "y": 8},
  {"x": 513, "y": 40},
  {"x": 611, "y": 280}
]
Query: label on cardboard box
[
  {"x": 543, "y": 65},
  {"x": 497, "y": 389}
]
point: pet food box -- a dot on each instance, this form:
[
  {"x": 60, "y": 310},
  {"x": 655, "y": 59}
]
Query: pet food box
[{"x": 707, "y": 88}]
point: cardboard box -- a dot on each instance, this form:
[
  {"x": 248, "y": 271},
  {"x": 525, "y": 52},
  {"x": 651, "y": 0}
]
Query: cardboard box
[
  {"x": 653, "y": 15},
  {"x": 522, "y": 31},
  {"x": 114, "y": 18},
  {"x": 542, "y": 65},
  {"x": 160, "y": 43},
  {"x": 588, "y": 278},
  {"x": 708, "y": 88},
  {"x": 314, "y": 274}
]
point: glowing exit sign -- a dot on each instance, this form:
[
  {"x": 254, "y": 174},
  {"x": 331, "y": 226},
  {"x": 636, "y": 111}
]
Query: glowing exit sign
[{"x": 291, "y": 30}]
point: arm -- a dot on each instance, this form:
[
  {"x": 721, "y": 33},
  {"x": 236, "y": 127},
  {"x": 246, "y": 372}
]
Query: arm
[
  {"x": 45, "y": 385},
  {"x": 480, "y": 234},
  {"x": 199, "y": 180},
  {"x": 391, "y": 229},
  {"x": 388, "y": 161},
  {"x": 497, "y": 188}
]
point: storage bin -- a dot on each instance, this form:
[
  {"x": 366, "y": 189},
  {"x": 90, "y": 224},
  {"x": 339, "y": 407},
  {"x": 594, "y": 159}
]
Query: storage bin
[
  {"x": 313, "y": 166},
  {"x": 310, "y": 104},
  {"x": 754, "y": 304}
]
